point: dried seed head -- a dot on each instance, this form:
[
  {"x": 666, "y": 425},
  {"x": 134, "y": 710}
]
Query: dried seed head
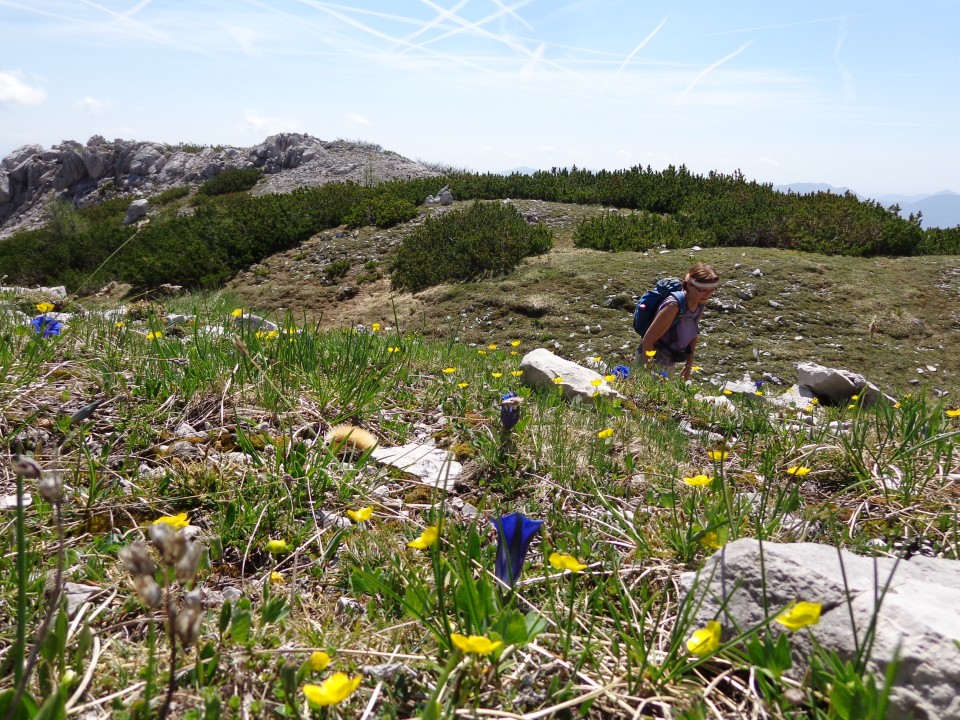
[
  {"x": 148, "y": 590},
  {"x": 187, "y": 565},
  {"x": 48, "y": 488},
  {"x": 168, "y": 542},
  {"x": 27, "y": 467},
  {"x": 187, "y": 623},
  {"x": 137, "y": 561}
]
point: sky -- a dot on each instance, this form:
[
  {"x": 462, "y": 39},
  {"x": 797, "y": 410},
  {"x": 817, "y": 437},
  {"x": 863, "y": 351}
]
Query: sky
[{"x": 859, "y": 93}]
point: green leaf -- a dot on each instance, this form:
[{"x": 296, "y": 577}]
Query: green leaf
[
  {"x": 511, "y": 626},
  {"x": 26, "y": 706}
]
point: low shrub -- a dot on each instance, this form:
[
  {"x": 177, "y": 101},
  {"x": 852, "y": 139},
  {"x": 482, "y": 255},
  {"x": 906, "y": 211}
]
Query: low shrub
[
  {"x": 486, "y": 239},
  {"x": 230, "y": 181},
  {"x": 382, "y": 210},
  {"x": 168, "y": 196}
]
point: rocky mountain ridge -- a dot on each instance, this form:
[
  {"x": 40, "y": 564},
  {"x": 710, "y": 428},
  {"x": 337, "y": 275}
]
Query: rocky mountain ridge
[{"x": 85, "y": 174}]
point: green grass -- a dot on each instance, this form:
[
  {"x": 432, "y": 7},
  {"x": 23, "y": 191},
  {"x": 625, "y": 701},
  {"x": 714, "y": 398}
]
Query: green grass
[{"x": 255, "y": 468}]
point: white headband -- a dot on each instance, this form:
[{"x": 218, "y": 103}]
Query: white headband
[{"x": 701, "y": 285}]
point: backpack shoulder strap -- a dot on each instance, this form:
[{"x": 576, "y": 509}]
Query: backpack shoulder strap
[{"x": 681, "y": 305}]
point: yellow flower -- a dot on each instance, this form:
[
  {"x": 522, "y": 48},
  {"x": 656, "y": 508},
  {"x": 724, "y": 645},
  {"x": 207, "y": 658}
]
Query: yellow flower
[
  {"x": 44, "y": 307},
  {"x": 277, "y": 578},
  {"x": 492, "y": 346},
  {"x": 705, "y": 640},
  {"x": 896, "y": 404},
  {"x": 119, "y": 323},
  {"x": 698, "y": 480},
  {"x": 809, "y": 408},
  {"x": 718, "y": 455},
  {"x": 597, "y": 382},
  {"x": 474, "y": 644},
  {"x": 798, "y": 470},
  {"x": 515, "y": 343},
  {"x": 951, "y": 413},
  {"x": 514, "y": 352},
  {"x": 557, "y": 380},
  {"x": 851, "y": 405},
  {"x": 174, "y": 521},
  {"x": 427, "y": 538},
  {"x": 462, "y": 385},
  {"x": 854, "y": 397},
  {"x": 360, "y": 515},
  {"x": 695, "y": 368},
  {"x": 649, "y": 353},
  {"x": 727, "y": 391},
  {"x": 596, "y": 358},
  {"x": 566, "y": 562},
  {"x": 319, "y": 661},
  {"x": 154, "y": 334},
  {"x": 276, "y": 546},
  {"x": 450, "y": 370},
  {"x": 800, "y": 615},
  {"x": 481, "y": 352},
  {"x": 238, "y": 312},
  {"x": 516, "y": 373},
  {"x": 609, "y": 378},
  {"x": 758, "y": 392},
  {"x": 375, "y": 327},
  {"x": 497, "y": 375},
  {"x": 711, "y": 540},
  {"x": 335, "y": 689},
  {"x": 393, "y": 349},
  {"x": 605, "y": 433}
]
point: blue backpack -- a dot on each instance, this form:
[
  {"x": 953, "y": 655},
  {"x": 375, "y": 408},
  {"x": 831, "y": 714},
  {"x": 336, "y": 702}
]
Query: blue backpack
[{"x": 652, "y": 299}]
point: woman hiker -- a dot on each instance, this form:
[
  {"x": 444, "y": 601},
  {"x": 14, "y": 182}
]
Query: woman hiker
[{"x": 675, "y": 343}]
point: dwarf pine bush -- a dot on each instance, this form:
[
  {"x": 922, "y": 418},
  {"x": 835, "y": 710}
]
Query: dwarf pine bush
[
  {"x": 484, "y": 240},
  {"x": 229, "y": 181}
]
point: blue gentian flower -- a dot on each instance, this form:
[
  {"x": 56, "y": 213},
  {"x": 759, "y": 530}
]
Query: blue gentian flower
[
  {"x": 621, "y": 372},
  {"x": 758, "y": 384},
  {"x": 514, "y": 533},
  {"x": 46, "y": 325},
  {"x": 509, "y": 410}
]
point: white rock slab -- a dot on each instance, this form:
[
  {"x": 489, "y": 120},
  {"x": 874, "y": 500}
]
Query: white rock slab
[{"x": 434, "y": 466}]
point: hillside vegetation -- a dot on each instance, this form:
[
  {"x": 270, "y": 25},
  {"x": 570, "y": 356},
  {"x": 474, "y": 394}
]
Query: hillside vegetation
[{"x": 222, "y": 233}]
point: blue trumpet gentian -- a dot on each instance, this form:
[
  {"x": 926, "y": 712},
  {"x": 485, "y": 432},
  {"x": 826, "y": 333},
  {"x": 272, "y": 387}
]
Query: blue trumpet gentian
[
  {"x": 48, "y": 326},
  {"x": 509, "y": 410},
  {"x": 621, "y": 372},
  {"x": 514, "y": 533}
]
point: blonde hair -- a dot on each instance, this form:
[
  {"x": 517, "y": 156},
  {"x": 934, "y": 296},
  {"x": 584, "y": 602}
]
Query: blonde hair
[{"x": 700, "y": 272}]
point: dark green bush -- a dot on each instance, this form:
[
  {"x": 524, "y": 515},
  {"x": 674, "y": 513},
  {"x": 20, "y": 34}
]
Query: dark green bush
[
  {"x": 487, "y": 239},
  {"x": 168, "y": 196},
  {"x": 383, "y": 210},
  {"x": 338, "y": 268},
  {"x": 230, "y": 181}
]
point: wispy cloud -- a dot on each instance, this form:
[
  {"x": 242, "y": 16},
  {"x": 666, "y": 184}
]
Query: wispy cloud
[
  {"x": 713, "y": 66},
  {"x": 849, "y": 86},
  {"x": 527, "y": 70},
  {"x": 246, "y": 38},
  {"x": 92, "y": 106},
  {"x": 778, "y": 26},
  {"x": 640, "y": 47},
  {"x": 254, "y": 121},
  {"x": 15, "y": 91},
  {"x": 357, "y": 118}
]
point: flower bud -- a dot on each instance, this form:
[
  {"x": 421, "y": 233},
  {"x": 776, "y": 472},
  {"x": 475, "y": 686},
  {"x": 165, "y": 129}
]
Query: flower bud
[
  {"x": 148, "y": 590},
  {"x": 26, "y": 467},
  {"x": 164, "y": 539},
  {"x": 136, "y": 560},
  {"x": 187, "y": 565},
  {"x": 48, "y": 488},
  {"x": 188, "y": 621}
]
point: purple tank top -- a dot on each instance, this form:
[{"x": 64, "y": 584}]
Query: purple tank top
[{"x": 678, "y": 338}]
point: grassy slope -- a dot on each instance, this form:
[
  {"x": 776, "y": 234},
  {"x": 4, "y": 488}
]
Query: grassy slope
[{"x": 881, "y": 317}]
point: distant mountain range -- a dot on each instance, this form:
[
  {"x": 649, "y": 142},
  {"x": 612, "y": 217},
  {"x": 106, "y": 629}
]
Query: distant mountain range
[{"x": 940, "y": 210}]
